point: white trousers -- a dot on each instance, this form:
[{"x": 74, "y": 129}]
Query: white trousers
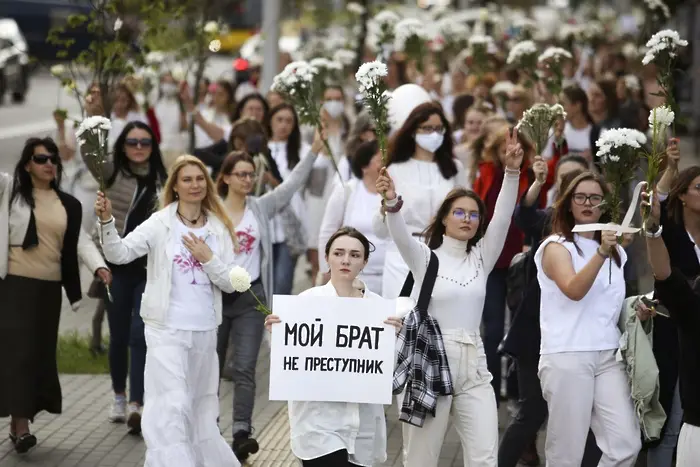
[
  {"x": 472, "y": 409},
  {"x": 688, "y": 454},
  {"x": 181, "y": 383},
  {"x": 588, "y": 390}
]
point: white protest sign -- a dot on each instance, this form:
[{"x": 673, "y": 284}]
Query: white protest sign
[
  {"x": 332, "y": 349},
  {"x": 620, "y": 229}
]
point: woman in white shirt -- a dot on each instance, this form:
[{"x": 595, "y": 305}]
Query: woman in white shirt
[
  {"x": 340, "y": 434},
  {"x": 124, "y": 110},
  {"x": 172, "y": 125},
  {"x": 582, "y": 295},
  {"x": 467, "y": 251},
  {"x": 354, "y": 205},
  {"x": 190, "y": 248},
  {"x": 424, "y": 170},
  {"x": 212, "y": 124},
  {"x": 286, "y": 148}
]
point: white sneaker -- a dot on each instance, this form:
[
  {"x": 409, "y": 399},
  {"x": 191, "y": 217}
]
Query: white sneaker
[
  {"x": 118, "y": 412},
  {"x": 133, "y": 419}
]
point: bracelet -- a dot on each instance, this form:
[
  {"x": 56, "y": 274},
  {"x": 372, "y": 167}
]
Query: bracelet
[
  {"x": 396, "y": 207},
  {"x": 601, "y": 254},
  {"x": 512, "y": 171},
  {"x": 108, "y": 221},
  {"x": 654, "y": 234}
]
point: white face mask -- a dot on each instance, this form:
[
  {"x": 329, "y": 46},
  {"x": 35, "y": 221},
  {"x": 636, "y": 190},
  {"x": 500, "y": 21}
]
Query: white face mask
[
  {"x": 334, "y": 108},
  {"x": 430, "y": 142},
  {"x": 169, "y": 89}
]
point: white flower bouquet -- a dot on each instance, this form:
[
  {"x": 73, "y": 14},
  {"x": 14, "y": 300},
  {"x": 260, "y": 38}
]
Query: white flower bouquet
[
  {"x": 662, "y": 51},
  {"x": 241, "y": 282},
  {"x": 355, "y": 8},
  {"x": 660, "y": 120},
  {"x": 92, "y": 136},
  {"x": 479, "y": 49},
  {"x": 299, "y": 83},
  {"x": 657, "y": 10},
  {"x": 370, "y": 79},
  {"x": 591, "y": 34},
  {"x": 523, "y": 57},
  {"x": 345, "y": 57},
  {"x": 450, "y": 37},
  {"x": 618, "y": 151},
  {"x": 410, "y": 37},
  {"x": 382, "y": 29},
  {"x": 329, "y": 71},
  {"x": 551, "y": 63},
  {"x": 537, "y": 121}
]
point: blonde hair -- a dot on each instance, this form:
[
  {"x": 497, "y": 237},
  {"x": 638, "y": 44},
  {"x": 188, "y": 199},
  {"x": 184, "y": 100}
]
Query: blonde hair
[{"x": 211, "y": 202}]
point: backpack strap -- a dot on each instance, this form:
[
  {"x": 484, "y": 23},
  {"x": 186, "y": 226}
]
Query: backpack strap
[{"x": 426, "y": 289}]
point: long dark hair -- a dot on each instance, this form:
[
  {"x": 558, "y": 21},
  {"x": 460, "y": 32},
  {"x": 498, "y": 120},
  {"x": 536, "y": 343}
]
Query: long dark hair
[
  {"x": 157, "y": 174},
  {"x": 403, "y": 145},
  {"x": 244, "y": 101},
  {"x": 354, "y": 233},
  {"x": 612, "y": 103},
  {"x": 680, "y": 187},
  {"x": 294, "y": 140},
  {"x": 436, "y": 229},
  {"x": 233, "y": 158},
  {"x": 563, "y": 220},
  {"x": 576, "y": 95},
  {"x": 22, "y": 182}
]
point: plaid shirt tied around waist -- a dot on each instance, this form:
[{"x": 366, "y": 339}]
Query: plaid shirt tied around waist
[{"x": 422, "y": 367}]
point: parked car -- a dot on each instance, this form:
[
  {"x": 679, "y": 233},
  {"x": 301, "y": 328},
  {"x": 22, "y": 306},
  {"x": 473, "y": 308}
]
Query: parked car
[
  {"x": 36, "y": 18},
  {"x": 14, "y": 61}
]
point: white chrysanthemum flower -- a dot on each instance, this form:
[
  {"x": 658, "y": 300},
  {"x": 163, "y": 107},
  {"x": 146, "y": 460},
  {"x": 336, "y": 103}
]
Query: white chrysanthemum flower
[
  {"x": 632, "y": 82},
  {"x": 666, "y": 40},
  {"x": 618, "y": 139},
  {"x": 478, "y": 39},
  {"x": 556, "y": 54},
  {"x": 630, "y": 50},
  {"x": 92, "y": 124},
  {"x": 212, "y": 27},
  {"x": 370, "y": 73},
  {"x": 502, "y": 87},
  {"x": 326, "y": 64},
  {"x": 155, "y": 58},
  {"x": 660, "y": 6},
  {"x": 386, "y": 18},
  {"x": 355, "y": 8},
  {"x": 452, "y": 29},
  {"x": 240, "y": 279},
  {"x": 661, "y": 117},
  {"x": 118, "y": 23},
  {"x": 299, "y": 73},
  {"x": 523, "y": 22},
  {"x": 58, "y": 71},
  {"x": 179, "y": 73},
  {"x": 407, "y": 28},
  {"x": 521, "y": 49},
  {"x": 566, "y": 30},
  {"x": 344, "y": 56}
]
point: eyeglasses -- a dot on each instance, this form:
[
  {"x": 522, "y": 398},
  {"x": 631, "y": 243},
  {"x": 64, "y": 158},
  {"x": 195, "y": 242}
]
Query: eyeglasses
[
  {"x": 582, "y": 198},
  {"x": 244, "y": 175},
  {"x": 135, "y": 142},
  {"x": 462, "y": 215},
  {"x": 42, "y": 159},
  {"x": 431, "y": 129}
]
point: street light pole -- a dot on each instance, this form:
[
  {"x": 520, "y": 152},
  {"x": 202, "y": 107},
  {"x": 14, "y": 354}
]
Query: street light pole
[{"x": 271, "y": 36}]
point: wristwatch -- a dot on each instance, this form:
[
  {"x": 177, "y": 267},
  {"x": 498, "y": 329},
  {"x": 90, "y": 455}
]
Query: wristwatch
[{"x": 654, "y": 232}]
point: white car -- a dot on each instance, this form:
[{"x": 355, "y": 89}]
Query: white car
[{"x": 14, "y": 61}]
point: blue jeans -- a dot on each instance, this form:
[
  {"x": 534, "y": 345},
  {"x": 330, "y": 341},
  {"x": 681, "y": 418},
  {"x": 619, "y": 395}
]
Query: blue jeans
[
  {"x": 662, "y": 455},
  {"x": 127, "y": 344},
  {"x": 242, "y": 326},
  {"x": 494, "y": 319},
  {"x": 283, "y": 266}
]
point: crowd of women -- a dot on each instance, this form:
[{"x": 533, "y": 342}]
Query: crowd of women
[{"x": 462, "y": 196}]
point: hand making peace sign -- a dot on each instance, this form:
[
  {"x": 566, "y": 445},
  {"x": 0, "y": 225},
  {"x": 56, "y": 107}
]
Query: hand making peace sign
[{"x": 514, "y": 151}]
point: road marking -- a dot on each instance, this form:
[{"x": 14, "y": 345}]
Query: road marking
[{"x": 27, "y": 129}]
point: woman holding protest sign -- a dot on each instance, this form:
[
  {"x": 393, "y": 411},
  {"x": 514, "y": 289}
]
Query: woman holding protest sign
[
  {"x": 340, "y": 434},
  {"x": 466, "y": 251}
]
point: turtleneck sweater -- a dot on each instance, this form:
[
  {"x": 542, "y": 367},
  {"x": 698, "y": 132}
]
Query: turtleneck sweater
[{"x": 458, "y": 297}]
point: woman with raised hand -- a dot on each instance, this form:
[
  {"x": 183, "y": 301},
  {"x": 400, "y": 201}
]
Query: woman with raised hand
[
  {"x": 189, "y": 245},
  {"x": 340, "y": 434},
  {"x": 41, "y": 241},
  {"x": 582, "y": 291},
  {"x": 466, "y": 251}
]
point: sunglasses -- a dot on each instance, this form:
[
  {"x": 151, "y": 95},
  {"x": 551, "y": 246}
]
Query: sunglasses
[
  {"x": 42, "y": 159},
  {"x": 135, "y": 142}
]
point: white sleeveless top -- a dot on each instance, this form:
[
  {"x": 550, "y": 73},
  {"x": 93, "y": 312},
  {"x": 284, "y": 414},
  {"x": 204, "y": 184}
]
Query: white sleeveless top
[{"x": 589, "y": 324}]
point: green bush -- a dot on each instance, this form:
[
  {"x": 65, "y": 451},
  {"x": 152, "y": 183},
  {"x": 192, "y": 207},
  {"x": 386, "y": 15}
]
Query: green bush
[{"x": 74, "y": 356}]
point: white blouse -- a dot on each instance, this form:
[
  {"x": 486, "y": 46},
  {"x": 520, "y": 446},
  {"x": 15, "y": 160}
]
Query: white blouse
[
  {"x": 320, "y": 428},
  {"x": 279, "y": 154}
]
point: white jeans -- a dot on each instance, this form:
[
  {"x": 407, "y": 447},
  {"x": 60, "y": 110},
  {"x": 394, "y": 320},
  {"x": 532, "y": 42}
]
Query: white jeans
[
  {"x": 473, "y": 409},
  {"x": 588, "y": 390},
  {"x": 688, "y": 454},
  {"x": 181, "y": 383}
]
